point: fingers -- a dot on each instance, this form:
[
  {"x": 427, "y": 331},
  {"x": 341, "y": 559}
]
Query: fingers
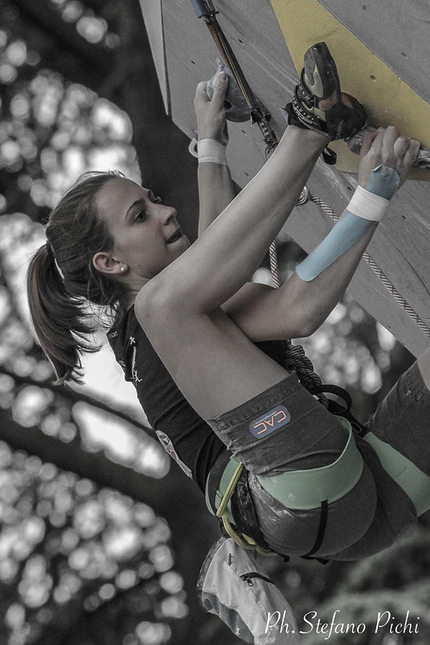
[
  {"x": 412, "y": 151},
  {"x": 402, "y": 152},
  {"x": 391, "y": 134},
  {"x": 393, "y": 147},
  {"x": 401, "y": 146},
  {"x": 201, "y": 93},
  {"x": 210, "y": 113},
  {"x": 386, "y": 146},
  {"x": 399, "y": 152},
  {"x": 220, "y": 87},
  {"x": 406, "y": 149},
  {"x": 368, "y": 139}
]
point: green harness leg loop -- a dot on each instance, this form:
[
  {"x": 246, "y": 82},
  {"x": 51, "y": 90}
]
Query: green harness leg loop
[
  {"x": 414, "y": 482},
  {"x": 307, "y": 489}
]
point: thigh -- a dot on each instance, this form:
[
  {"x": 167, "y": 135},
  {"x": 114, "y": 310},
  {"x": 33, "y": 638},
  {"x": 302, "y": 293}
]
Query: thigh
[
  {"x": 214, "y": 364},
  {"x": 403, "y": 418}
]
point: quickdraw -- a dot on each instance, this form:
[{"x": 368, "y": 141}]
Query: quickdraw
[{"x": 259, "y": 115}]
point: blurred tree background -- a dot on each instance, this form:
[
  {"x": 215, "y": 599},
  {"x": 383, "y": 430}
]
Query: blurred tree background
[{"x": 100, "y": 540}]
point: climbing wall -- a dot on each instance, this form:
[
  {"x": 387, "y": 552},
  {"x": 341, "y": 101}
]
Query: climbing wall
[{"x": 381, "y": 48}]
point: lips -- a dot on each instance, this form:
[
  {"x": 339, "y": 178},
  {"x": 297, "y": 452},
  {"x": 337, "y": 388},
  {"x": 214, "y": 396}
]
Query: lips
[{"x": 174, "y": 237}]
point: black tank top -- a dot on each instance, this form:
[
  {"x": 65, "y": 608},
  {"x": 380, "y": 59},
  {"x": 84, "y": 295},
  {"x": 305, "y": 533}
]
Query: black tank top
[{"x": 185, "y": 436}]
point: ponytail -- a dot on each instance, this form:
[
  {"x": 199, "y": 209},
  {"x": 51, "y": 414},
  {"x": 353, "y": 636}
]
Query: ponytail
[
  {"x": 55, "y": 314},
  {"x": 60, "y": 285}
]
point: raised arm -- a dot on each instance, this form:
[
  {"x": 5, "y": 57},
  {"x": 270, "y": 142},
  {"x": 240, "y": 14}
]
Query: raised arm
[
  {"x": 216, "y": 188},
  {"x": 300, "y": 306}
]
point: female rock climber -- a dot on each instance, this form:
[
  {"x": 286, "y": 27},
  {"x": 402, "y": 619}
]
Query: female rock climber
[{"x": 215, "y": 398}]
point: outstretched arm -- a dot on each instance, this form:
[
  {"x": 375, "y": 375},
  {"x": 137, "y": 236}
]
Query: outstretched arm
[{"x": 299, "y": 307}]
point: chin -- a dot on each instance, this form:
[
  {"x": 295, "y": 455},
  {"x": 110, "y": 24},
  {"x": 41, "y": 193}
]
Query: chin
[{"x": 183, "y": 243}]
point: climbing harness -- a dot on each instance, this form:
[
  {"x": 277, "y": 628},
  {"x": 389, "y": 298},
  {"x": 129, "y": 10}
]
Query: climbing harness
[
  {"x": 297, "y": 489},
  {"x": 308, "y": 489}
]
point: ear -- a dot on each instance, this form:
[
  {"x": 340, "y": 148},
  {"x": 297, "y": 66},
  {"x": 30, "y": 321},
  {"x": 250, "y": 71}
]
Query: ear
[{"x": 105, "y": 263}]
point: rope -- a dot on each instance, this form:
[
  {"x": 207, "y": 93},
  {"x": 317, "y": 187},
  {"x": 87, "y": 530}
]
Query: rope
[
  {"x": 296, "y": 359},
  {"x": 274, "y": 267},
  {"x": 375, "y": 268}
]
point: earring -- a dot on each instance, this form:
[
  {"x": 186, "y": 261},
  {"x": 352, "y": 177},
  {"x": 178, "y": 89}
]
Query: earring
[{"x": 122, "y": 269}]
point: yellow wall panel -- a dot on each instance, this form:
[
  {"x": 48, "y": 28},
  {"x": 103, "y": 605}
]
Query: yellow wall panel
[{"x": 388, "y": 100}]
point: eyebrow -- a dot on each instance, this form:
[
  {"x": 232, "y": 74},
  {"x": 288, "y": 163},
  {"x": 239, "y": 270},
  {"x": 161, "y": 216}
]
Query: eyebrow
[{"x": 138, "y": 202}]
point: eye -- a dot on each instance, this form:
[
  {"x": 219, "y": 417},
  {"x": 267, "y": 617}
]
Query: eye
[{"x": 140, "y": 216}]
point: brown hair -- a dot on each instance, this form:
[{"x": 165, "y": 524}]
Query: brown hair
[{"x": 62, "y": 279}]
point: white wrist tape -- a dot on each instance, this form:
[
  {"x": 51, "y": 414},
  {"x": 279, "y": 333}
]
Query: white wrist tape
[
  {"x": 211, "y": 151},
  {"x": 367, "y": 205}
]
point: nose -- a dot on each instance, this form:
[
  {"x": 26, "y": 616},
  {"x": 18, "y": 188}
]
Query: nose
[{"x": 167, "y": 214}]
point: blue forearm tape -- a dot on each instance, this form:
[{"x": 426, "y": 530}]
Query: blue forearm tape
[
  {"x": 383, "y": 181},
  {"x": 342, "y": 237}
]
